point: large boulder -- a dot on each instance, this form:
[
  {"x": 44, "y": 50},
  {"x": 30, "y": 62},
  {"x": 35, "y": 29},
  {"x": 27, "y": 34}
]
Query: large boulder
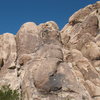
[
  {"x": 27, "y": 38},
  {"x": 83, "y": 13},
  {"x": 44, "y": 63},
  {"x": 8, "y": 55}
]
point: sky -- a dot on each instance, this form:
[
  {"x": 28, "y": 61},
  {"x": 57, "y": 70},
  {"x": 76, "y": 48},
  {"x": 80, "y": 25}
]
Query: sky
[{"x": 14, "y": 13}]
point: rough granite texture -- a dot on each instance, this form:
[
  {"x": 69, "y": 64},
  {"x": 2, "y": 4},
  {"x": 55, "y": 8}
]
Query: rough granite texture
[{"x": 44, "y": 63}]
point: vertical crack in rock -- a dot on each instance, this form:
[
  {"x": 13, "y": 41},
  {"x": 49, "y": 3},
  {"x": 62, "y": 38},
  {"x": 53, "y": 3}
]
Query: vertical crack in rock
[
  {"x": 1, "y": 63},
  {"x": 44, "y": 63}
]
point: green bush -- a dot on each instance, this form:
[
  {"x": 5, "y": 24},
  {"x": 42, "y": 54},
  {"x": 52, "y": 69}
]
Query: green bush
[{"x": 8, "y": 94}]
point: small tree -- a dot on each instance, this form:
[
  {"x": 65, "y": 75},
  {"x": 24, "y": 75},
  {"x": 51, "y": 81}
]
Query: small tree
[{"x": 8, "y": 94}]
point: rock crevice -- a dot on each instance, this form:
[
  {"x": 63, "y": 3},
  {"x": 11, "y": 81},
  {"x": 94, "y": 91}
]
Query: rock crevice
[{"x": 44, "y": 63}]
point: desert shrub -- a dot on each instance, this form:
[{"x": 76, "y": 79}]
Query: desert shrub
[{"x": 8, "y": 94}]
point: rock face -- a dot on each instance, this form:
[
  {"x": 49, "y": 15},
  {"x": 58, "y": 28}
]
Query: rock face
[{"x": 44, "y": 63}]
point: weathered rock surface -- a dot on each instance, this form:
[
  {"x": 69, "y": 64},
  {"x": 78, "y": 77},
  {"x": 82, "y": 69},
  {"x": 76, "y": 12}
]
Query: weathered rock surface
[{"x": 44, "y": 63}]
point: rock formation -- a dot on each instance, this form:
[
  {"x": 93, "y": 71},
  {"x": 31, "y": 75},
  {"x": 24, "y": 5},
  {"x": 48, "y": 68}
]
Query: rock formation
[{"x": 44, "y": 63}]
